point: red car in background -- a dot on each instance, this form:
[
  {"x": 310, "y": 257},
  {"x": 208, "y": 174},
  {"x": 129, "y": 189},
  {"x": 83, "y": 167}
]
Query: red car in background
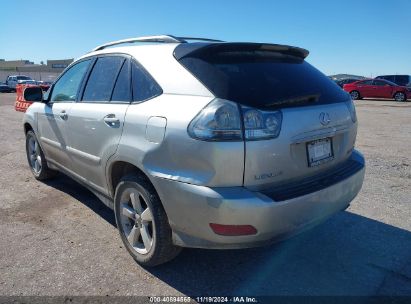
[{"x": 377, "y": 88}]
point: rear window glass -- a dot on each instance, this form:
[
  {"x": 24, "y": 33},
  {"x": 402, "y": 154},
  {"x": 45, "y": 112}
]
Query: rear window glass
[
  {"x": 102, "y": 78},
  {"x": 262, "y": 78},
  {"x": 366, "y": 82},
  {"x": 122, "y": 89}
]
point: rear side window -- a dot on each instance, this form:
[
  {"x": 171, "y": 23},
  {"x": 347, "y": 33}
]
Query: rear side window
[
  {"x": 262, "y": 78},
  {"x": 365, "y": 82},
  {"x": 144, "y": 86},
  {"x": 387, "y": 77},
  {"x": 101, "y": 81},
  {"x": 380, "y": 83},
  {"x": 122, "y": 88}
]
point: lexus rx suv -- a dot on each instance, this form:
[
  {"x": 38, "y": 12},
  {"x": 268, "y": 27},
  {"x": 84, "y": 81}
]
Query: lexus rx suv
[{"x": 204, "y": 144}]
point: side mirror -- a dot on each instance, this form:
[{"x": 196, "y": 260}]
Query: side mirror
[{"x": 33, "y": 94}]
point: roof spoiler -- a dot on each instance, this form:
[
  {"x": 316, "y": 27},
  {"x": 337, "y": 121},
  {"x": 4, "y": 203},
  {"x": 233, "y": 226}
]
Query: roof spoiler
[{"x": 184, "y": 50}]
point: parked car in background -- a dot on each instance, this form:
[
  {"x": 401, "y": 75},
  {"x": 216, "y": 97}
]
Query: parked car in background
[
  {"x": 231, "y": 170},
  {"x": 44, "y": 85},
  {"x": 31, "y": 81},
  {"x": 13, "y": 80},
  {"x": 342, "y": 82},
  {"x": 4, "y": 88},
  {"x": 377, "y": 88},
  {"x": 402, "y": 80}
]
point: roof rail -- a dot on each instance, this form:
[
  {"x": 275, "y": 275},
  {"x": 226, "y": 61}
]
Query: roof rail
[
  {"x": 159, "y": 38},
  {"x": 184, "y": 39}
]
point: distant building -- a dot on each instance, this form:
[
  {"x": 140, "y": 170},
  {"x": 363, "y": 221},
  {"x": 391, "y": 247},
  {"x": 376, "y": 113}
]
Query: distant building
[
  {"x": 45, "y": 72},
  {"x": 53, "y": 66},
  {"x": 59, "y": 64},
  {"x": 14, "y": 63}
]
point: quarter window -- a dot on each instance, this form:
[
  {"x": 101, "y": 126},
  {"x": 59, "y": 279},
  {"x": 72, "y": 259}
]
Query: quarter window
[
  {"x": 144, "y": 86},
  {"x": 102, "y": 78},
  {"x": 66, "y": 88}
]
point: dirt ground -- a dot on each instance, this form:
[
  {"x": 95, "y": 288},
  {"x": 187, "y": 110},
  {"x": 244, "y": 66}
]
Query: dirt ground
[{"x": 56, "y": 238}]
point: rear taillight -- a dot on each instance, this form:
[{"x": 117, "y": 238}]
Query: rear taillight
[
  {"x": 261, "y": 124},
  {"x": 351, "y": 108},
  {"x": 220, "y": 120}
]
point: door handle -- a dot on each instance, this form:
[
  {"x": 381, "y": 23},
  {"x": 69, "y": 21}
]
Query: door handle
[
  {"x": 111, "y": 120},
  {"x": 63, "y": 115}
]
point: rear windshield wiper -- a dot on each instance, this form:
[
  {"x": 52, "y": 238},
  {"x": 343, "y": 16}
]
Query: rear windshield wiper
[{"x": 295, "y": 101}]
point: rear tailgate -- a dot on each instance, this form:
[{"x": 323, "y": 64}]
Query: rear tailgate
[
  {"x": 317, "y": 131},
  {"x": 290, "y": 156}
]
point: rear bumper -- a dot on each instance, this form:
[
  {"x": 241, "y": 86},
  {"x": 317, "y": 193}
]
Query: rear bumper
[{"x": 192, "y": 208}]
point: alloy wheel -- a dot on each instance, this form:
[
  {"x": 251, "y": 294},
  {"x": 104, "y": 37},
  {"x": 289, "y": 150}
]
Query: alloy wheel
[
  {"x": 354, "y": 95},
  {"x": 34, "y": 155},
  {"x": 399, "y": 97},
  {"x": 136, "y": 220}
]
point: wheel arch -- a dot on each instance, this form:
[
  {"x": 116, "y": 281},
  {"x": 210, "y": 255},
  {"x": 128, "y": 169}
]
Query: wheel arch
[
  {"x": 399, "y": 91},
  {"x": 118, "y": 169},
  {"x": 27, "y": 127}
]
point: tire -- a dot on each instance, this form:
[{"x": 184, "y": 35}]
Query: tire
[
  {"x": 355, "y": 95},
  {"x": 36, "y": 158},
  {"x": 400, "y": 96},
  {"x": 142, "y": 222}
]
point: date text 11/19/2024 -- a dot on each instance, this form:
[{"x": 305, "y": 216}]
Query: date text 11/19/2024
[{"x": 183, "y": 299}]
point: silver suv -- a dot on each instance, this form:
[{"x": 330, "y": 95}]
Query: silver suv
[{"x": 205, "y": 144}]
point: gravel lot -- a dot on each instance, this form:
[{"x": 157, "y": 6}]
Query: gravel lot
[{"x": 58, "y": 239}]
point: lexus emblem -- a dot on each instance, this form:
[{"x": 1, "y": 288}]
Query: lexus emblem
[{"x": 324, "y": 118}]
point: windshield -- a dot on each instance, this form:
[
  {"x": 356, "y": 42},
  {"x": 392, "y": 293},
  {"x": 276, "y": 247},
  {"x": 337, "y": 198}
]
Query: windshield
[{"x": 262, "y": 78}]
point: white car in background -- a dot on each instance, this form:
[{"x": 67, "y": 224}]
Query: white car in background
[{"x": 13, "y": 80}]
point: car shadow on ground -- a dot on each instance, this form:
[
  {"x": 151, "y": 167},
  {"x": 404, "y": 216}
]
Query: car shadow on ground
[
  {"x": 83, "y": 195},
  {"x": 347, "y": 255}
]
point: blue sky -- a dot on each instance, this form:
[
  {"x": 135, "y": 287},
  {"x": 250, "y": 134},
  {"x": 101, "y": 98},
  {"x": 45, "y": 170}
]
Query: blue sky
[{"x": 367, "y": 37}]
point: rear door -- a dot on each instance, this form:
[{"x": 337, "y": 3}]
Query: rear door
[
  {"x": 366, "y": 88},
  {"x": 96, "y": 121},
  {"x": 53, "y": 121},
  {"x": 382, "y": 89}
]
